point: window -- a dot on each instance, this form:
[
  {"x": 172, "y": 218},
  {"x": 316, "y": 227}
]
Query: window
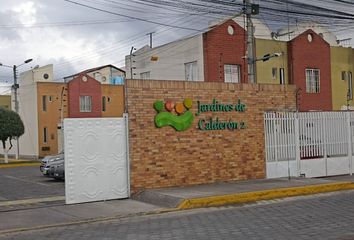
[
  {"x": 282, "y": 76},
  {"x": 231, "y": 73},
  {"x": 103, "y": 104},
  {"x": 344, "y": 75},
  {"x": 274, "y": 73},
  {"x": 191, "y": 71},
  {"x": 312, "y": 80},
  {"x": 50, "y": 98},
  {"x": 350, "y": 86},
  {"x": 44, "y": 103},
  {"x": 45, "y": 135},
  {"x": 85, "y": 103},
  {"x": 145, "y": 75}
]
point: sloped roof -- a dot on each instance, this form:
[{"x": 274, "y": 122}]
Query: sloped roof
[{"x": 95, "y": 69}]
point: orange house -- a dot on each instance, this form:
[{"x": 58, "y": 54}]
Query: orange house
[{"x": 82, "y": 97}]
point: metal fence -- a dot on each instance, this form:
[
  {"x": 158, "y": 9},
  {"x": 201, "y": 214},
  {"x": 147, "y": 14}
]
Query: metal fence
[{"x": 322, "y": 139}]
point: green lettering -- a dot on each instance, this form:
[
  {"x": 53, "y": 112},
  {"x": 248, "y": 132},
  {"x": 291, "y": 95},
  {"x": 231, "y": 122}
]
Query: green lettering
[
  {"x": 201, "y": 124},
  {"x": 208, "y": 125}
]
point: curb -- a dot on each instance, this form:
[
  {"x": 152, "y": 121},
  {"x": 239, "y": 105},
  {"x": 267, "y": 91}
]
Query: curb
[
  {"x": 86, "y": 221},
  {"x": 247, "y": 197},
  {"x": 31, "y": 201},
  {"x": 13, "y": 165}
]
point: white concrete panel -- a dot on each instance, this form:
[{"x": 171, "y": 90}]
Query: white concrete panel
[
  {"x": 281, "y": 169},
  {"x": 96, "y": 165},
  {"x": 337, "y": 166},
  {"x": 313, "y": 167}
]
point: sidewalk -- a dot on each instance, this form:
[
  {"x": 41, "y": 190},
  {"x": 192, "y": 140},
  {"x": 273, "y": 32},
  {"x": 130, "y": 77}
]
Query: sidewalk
[
  {"x": 37, "y": 216},
  {"x": 242, "y": 191},
  {"x": 18, "y": 163}
]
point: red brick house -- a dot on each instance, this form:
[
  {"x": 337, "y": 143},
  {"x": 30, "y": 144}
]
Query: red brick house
[
  {"x": 310, "y": 70},
  {"x": 84, "y": 97},
  {"x": 224, "y": 51}
]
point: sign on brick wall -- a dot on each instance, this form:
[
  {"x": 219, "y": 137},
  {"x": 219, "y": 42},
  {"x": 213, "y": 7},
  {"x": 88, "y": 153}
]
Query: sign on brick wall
[{"x": 180, "y": 117}]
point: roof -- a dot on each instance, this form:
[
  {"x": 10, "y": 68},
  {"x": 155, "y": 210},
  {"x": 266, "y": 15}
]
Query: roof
[{"x": 95, "y": 69}]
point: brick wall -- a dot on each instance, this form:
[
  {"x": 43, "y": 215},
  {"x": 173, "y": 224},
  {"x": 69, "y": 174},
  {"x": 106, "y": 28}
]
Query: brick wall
[
  {"x": 162, "y": 157},
  {"x": 222, "y": 48},
  {"x": 316, "y": 55}
]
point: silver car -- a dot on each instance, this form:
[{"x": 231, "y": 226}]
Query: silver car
[
  {"x": 57, "y": 170},
  {"x": 48, "y": 160}
]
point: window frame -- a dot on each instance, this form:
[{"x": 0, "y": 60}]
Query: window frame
[
  {"x": 344, "y": 75},
  {"x": 274, "y": 73},
  {"x": 229, "y": 73},
  {"x": 85, "y": 103},
  {"x": 44, "y": 103},
  {"x": 45, "y": 135},
  {"x": 282, "y": 76},
  {"x": 191, "y": 69},
  {"x": 313, "y": 80},
  {"x": 104, "y": 108},
  {"x": 350, "y": 86}
]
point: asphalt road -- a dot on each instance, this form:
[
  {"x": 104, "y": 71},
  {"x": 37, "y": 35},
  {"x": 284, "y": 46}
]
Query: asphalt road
[
  {"x": 27, "y": 183},
  {"x": 328, "y": 216}
]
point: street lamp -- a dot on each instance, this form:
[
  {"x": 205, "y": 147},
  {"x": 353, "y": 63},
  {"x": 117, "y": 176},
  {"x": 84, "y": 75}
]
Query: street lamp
[{"x": 15, "y": 86}]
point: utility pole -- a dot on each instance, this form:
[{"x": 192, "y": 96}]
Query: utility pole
[
  {"x": 250, "y": 9},
  {"x": 150, "y": 38},
  {"x": 15, "y": 87},
  {"x": 131, "y": 62}
]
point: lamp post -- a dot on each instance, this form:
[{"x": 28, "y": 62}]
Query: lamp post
[{"x": 15, "y": 86}]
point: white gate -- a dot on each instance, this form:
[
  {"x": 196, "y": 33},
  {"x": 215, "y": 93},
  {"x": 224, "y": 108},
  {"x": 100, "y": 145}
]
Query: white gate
[
  {"x": 311, "y": 144},
  {"x": 96, "y": 159}
]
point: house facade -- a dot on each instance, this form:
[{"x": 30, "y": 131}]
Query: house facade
[
  {"x": 43, "y": 104},
  {"x": 310, "y": 70},
  {"x": 219, "y": 55},
  {"x": 342, "y": 68}
]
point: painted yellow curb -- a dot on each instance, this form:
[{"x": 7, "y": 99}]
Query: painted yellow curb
[
  {"x": 12, "y": 165},
  {"x": 263, "y": 195}
]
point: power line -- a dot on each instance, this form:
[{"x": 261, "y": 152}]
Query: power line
[{"x": 136, "y": 18}]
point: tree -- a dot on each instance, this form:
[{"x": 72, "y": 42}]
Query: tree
[{"x": 11, "y": 126}]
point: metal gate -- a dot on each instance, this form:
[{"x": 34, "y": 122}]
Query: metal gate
[
  {"x": 310, "y": 144},
  {"x": 96, "y": 159}
]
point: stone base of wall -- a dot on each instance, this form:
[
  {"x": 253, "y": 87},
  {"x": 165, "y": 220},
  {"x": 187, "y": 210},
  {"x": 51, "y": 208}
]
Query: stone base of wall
[{"x": 164, "y": 157}]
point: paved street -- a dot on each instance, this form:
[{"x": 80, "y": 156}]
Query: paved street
[
  {"x": 26, "y": 183},
  {"x": 326, "y": 216}
]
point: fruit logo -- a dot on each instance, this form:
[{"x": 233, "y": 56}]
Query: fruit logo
[{"x": 181, "y": 120}]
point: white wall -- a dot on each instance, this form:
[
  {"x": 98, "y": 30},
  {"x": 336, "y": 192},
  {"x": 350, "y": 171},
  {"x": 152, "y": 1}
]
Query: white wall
[
  {"x": 29, "y": 115},
  {"x": 37, "y": 75},
  {"x": 27, "y": 98},
  {"x": 171, "y": 60}
]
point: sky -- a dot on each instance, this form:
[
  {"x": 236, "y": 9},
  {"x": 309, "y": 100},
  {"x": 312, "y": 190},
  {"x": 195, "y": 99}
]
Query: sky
[{"x": 74, "y": 37}]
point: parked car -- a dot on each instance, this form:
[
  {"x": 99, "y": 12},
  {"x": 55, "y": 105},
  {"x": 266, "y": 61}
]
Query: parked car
[
  {"x": 57, "y": 170},
  {"x": 48, "y": 160}
]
